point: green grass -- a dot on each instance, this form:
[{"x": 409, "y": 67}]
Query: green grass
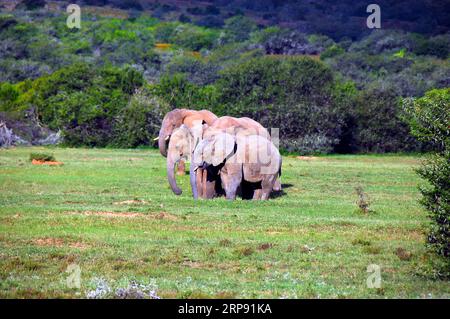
[{"x": 311, "y": 242}]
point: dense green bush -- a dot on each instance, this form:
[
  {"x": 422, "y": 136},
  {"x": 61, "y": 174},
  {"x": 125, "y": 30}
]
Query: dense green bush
[
  {"x": 83, "y": 100},
  {"x": 238, "y": 29},
  {"x": 194, "y": 38},
  {"x": 429, "y": 118},
  {"x": 42, "y": 157},
  {"x": 378, "y": 124},
  {"x": 139, "y": 122},
  {"x": 178, "y": 92},
  {"x": 292, "y": 94},
  {"x": 332, "y": 51},
  {"x": 196, "y": 70},
  {"x": 438, "y": 46},
  {"x": 33, "y": 4}
]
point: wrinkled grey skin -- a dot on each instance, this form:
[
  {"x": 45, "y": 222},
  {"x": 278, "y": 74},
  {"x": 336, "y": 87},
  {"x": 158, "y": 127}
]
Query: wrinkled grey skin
[{"x": 252, "y": 158}]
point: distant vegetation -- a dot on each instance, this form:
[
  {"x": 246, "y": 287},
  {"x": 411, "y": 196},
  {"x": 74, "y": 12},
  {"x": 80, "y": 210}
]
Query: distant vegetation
[{"x": 109, "y": 83}]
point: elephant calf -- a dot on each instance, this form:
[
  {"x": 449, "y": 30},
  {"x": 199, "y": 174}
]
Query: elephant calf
[{"x": 249, "y": 158}]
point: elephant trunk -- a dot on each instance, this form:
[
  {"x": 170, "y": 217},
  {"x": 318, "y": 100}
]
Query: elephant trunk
[
  {"x": 162, "y": 143},
  {"x": 193, "y": 179},
  {"x": 171, "y": 176}
]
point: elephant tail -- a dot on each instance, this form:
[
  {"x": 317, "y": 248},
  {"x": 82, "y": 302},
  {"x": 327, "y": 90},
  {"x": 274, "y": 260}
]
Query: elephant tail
[{"x": 279, "y": 170}]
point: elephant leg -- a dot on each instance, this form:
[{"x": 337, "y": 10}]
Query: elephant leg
[
  {"x": 267, "y": 185},
  {"x": 204, "y": 183},
  {"x": 231, "y": 190},
  {"x": 199, "y": 181},
  {"x": 231, "y": 176},
  {"x": 257, "y": 194},
  {"x": 181, "y": 167},
  {"x": 193, "y": 180},
  {"x": 230, "y": 184},
  {"x": 277, "y": 185}
]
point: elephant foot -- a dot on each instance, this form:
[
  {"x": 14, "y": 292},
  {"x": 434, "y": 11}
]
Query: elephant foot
[{"x": 277, "y": 185}]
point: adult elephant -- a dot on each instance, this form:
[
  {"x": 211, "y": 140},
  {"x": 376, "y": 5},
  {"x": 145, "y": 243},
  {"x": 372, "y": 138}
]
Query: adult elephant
[
  {"x": 233, "y": 126},
  {"x": 237, "y": 158},
  {"x": 175, "y": 119}
]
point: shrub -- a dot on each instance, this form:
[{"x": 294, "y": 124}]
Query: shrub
[
  {"x": 184, "y": 18},
  {"x": 8, "y": 96},
  {"x": 195, "y": 69},
  {"x": 291, "y": 43},
  {"x": 363, "y": 201},
  {"x": 42, "y": 157},
  {"x": 238, "y": 29},
  {"x": 429, "y": 118},
  {"x": 379, "y": 126},
  {"x": 165, "y": 31},
  {"x": 33, "y": 4},
  {"x": 211, "y": 9},
  {"x": 332, "y": 51},
  {"x": 438, "y": 46},
  {"x": 210, "y": 21},
  {"x": 194, "y": 10},
  {"x": 83, "y": 100},
  {"x": 139, "y": 122},
  {"x": 128, "y": 4},
  {"x": 194, "y": 38},
  {"x": 293, "y": 94},
  {"x": 178, "y": 92}
]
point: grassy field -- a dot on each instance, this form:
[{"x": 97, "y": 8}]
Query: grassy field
[{"x": 112, "y": 213}]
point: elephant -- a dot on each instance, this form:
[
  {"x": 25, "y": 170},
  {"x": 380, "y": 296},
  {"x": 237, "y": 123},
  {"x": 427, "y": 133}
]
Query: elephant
[
  {"x": 180, "y": 148},
  {"x": 175, "y": 119},
  {"x": 240, "y": 158},
  {"x": 233, "y": 126}
]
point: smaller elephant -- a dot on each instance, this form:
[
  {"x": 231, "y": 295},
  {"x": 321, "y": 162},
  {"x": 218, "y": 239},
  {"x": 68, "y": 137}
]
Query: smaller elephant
[
  {"x": 241, "y": 158},
  {"x": 180, "y": 148},
  {"x": 243, "y": 126}
]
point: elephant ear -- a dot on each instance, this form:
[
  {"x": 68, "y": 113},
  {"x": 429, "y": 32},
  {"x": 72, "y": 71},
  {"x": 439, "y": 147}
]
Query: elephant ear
[
  {"x": 222, "y": 147},
  {"x": 196, "y": 133}
]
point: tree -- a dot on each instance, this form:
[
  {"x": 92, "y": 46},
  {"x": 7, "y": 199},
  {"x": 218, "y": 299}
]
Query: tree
[
  {"x": 429, "y": 118},
  {"x": 379, "y": 127},
  {"x": 83, "y": 100},
  {"x": 293, "y": 94},
  {"x": 238, "y": 28},
  {"x": 139, "y": 122},
  {"x": 33, "y": 4}
]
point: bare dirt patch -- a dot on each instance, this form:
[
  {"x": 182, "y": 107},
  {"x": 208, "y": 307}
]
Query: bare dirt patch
[
  {"x": 109, "y": 214},
  {"x": 193, "y": 264},
  {"x": 265, "y": 246},
  {"x": 307, "y": 158},
  {"x": 403, "y": 254},
  {"x": 58, "y": 242},
  {"x": 131, "y": 202},
  {"x": 158, "y": 215},
  {"x": 165, "y": 215},
  {"x": 49, "y": 163}
]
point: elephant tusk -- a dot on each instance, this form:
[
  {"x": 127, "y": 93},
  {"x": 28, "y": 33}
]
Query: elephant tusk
[
  {"x": 156, "y": 138},
  {"x": 167, "y": 137}
]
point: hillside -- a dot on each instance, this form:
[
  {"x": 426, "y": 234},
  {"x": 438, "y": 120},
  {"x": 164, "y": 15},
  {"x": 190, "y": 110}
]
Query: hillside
[
  {"x": 336, "y": 19},
  {"x": 325, "y": 95}
]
